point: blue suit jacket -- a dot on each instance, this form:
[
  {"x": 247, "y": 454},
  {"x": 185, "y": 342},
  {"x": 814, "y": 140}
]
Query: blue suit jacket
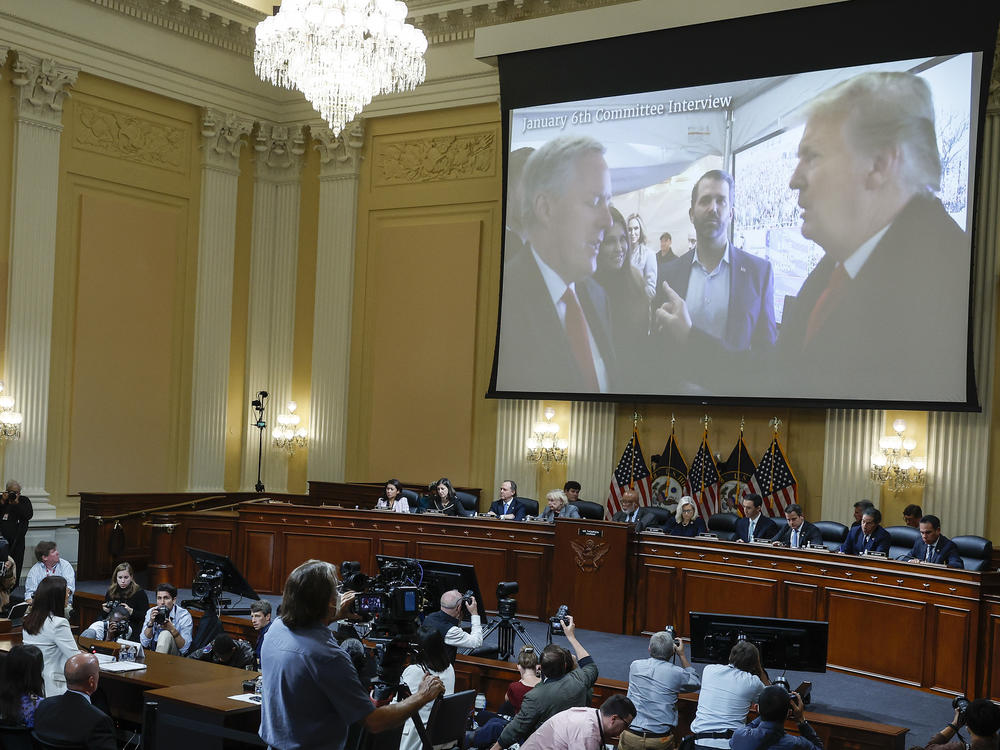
[
  {"x": 765, "y": 529},
  {"x": 946, "y": 552},
  {"x": 750, "y": 321},
  {"x": 855, "y": 543},
  {"x": 516, "y": 507}
]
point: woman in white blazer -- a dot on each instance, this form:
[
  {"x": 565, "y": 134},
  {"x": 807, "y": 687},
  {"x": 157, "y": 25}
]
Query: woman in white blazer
[{"x": 46, "y": 627}]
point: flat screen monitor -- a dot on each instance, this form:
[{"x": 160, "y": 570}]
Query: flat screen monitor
[
  {"x": 798, "y": 645},
  {"x": 438, "y": 577}
]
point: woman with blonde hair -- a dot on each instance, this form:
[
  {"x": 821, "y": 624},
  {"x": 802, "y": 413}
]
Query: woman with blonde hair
[
  {"x": 643, "y": 258},
  {"x": 686, "y": 521},
  {"x": 558, "y": 507},
  {"x": 125, "y": 591}
]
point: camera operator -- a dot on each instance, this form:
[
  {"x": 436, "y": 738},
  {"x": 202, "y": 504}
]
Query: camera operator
[
  {"x": 15, "y": 512},
  {"x": 981, "y": 717},
  {"x": 113, "y": 627},
  {"x": 167, "y": 627},
  {"x": 768, "y": 729},
  {"x": 226, "y": 651},
  {"x": 448, "y": 621},
  {"x": 562, "y": 687}
]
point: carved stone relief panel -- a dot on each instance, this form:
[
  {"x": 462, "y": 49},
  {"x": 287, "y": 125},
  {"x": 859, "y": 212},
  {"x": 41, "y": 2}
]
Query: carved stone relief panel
[
  {"x": 123, "y": 133},
  {"x": 435, "y": 158}
]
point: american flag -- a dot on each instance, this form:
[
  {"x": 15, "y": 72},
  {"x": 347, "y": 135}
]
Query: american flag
[
  {"x": 630, "y": 473},
  {"x": 774, "y": 480},
  {"x": 705, "y": 480},
  {"x": 736, "y": 473}
]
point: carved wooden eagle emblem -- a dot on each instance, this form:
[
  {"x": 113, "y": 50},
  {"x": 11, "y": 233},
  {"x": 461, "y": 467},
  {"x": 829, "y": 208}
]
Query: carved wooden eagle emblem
[{"x": 589, "y": 554}]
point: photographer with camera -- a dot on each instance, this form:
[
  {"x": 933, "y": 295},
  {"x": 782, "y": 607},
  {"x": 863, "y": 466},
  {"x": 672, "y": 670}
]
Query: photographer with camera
[
  {"x": 125, "y": 591},
  {"x": 981, "y": 717},
  {"x": 562, "y": 687},
  {"x": 113, "y": 627},
  {"x": 15, "y": 512},
  {"x": 167, "y": 627},
  {"x": 653, "y": 686},
  {"x": 448, "y": 621},
  {"x": 227, "y": 651},
  {"x": 768, "y": 729}
]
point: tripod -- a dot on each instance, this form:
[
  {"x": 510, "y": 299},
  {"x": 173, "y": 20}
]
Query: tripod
[
  {"x": 259, "y": 404},
  {"x": 507, "y": 627}
]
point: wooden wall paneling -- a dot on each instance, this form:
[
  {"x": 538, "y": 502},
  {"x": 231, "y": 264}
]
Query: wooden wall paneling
[
  {"x": 990, "y": 664},
  {"x": 853, "y": 613},
  {"x": 949, "y": 666},
  {"x": 260, "y": 551},
  {"x": 658, "y": 587},
  {"x": 393, "y": 548},
  {"x": 592, "y": 558},
  {"x": 492, "y": 566},
  {"x": 319, "y": 544},
  {"x": 728, "y": 593},
  {"x": 801, "y": 601},
  {"x": 531, "y": 569},
  {"x": 211, "y": 532}
]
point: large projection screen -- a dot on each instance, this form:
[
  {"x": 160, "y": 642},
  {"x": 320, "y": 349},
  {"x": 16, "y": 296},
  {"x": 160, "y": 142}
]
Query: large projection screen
[{"x": 819, "y": 200}]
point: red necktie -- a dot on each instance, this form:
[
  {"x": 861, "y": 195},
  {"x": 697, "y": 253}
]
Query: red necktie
[
  {"x": 827, "y": 301},
  {"x": 579, "y": 341}
]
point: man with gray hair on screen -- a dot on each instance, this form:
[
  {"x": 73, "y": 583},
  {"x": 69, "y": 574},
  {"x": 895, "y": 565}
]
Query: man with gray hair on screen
[
  {"x": 554, "y": 328},
  {"x": 867, "y": 176}
]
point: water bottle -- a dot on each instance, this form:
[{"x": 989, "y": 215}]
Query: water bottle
[{"x": 258, "y": 686}]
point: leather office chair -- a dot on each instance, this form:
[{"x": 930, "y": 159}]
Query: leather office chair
[
  {"x": 413, "y": 500},
  {"x": 834, "y": 534},
  {"x": 530, "y": 506},
  {"x": 593, "y": 511},
  {"x": 660, "y": 515},
  {"x": 782, "y": 523},
  {"x": 467, "y": 503},
  {"x": 723, "y": 525},
  {"x": 903, "y": 538},
  {"x": 976, "y": 552},
  {"x": 449, "y": 718}
]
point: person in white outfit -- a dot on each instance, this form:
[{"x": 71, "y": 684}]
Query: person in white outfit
[
  {"x": 434, "y": 661},
  {"x": 46, "y": 627}
]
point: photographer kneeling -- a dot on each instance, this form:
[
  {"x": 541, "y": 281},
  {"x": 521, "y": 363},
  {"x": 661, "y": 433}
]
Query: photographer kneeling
[
  {"x": 981, "y": 717},
  {"x": 114, "y": 627},
  {"x": 167, "y": 627},
  {"x": 768, "y": 729}
]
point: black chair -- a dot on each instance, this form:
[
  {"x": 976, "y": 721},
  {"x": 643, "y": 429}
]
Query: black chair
[
  {"x": 16, "y": 738},
  {"x": 412, "y": 499},
  {"x": 530, "y": 506},
  {"x": 782, "y": 523},
  {"x": 661, "y": 516},
  {"x": 903, "y": 538},
  {"x": 467, "y": 502},
  {"x": 450, "y": 717},
  {"x": 834, "y": 534},
  {"x": 18, "y": 611},
  {"x": 723, "y": 525},
  {"x": 587, "y": 509},
  {"x": 976, "y": 552}
]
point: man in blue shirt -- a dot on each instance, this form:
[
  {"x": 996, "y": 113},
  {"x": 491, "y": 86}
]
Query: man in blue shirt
[
  {"x": 167, "y": 630},
  {"x": 869, "y": 536},
  {"x": 773, "y": 706},
  {"x": 311, "y": 692}
]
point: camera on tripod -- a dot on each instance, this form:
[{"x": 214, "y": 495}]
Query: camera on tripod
[{"x": 506, "y": 606}]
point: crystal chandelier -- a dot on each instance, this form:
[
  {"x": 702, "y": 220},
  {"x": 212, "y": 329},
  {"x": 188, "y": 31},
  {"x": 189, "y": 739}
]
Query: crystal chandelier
[
  {"x": 340, "y": 53},
  {"x": 895, "y": 465},
  {"x": 288, "y": 435},
  {"x": 10, "y": 420},
  {"x": 543, "y": 445}
]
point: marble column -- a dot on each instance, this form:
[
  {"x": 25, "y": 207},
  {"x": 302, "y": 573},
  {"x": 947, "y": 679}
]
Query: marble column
[
  {"x": 340, "y": 161},
  {"x": 274, "y": 247},
  {"x": 591, "y": 459},
  {"x": 41, "y": 86},
  {"x": 223, "y": 136},
  {"x": 515, "y": 418},
  {"x": 852, "y": 437}
]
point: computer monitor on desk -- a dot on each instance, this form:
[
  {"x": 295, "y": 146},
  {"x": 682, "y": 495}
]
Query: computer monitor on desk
[{"x": 798, "y": 645}]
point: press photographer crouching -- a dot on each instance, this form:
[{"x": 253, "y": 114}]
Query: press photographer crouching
[
  {"x": 167, "y": 627},
  {"x": 980, "y": 717},
  {"x": 112, "y": 628},
  {"x": 768, "y": 729},
  {"x": 228, "y": 652}
]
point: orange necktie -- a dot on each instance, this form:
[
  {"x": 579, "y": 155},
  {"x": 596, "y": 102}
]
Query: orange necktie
[
  {"x": 579, "y": 341},
  {"x": 833, "y": 293}
]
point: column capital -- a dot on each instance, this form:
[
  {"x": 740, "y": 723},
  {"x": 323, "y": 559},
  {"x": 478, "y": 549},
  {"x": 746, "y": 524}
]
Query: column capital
[
  {"x": 42, "y": 86},
  {"x": 4, "y": 49},
  {"x": 339, "y": 155},
  {"x": 279, "y": 152},
  {"x": 222, "y": 138}
]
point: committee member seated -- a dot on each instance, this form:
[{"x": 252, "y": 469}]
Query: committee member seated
[
  {"x": 442, "y": 498},
  {"x": 632, "y": 513},
  {"x": 933, "y": 546},
  {"x": 981, "y": 718},
  {"x": 685, "y": 521},
  {"x": 394, "y": 499},
  {"x": 112, "y": 628},
  {"x": 448, "y": 621},
  {"x": 727, "y": 693},
  {"x": 912, "y": 515},
  {"x": 260, "y": 619},
  {"x": 572, "y": 489},
  {"x": 311, "y": 692},
  {"x": 755, "y": 525},
  {"x": 799, "y": 532},
  {"x": 46, "y": 627},
  {"x": 558, "y": 507},
  {"x": 773, "y": 706},
  {"x": 70, "y": 719},
  {"x": 653, "y": 686},
  {"x": 583, "y": 728},
  {"x": 563, "y": 686},
  {"x": 507, "y": 506},
  {"x": 228, "y": 652},
  {"x": 49, "y": 564},
  {"x": 167, "y": 627},
  {"x": 869, "y": 536}
]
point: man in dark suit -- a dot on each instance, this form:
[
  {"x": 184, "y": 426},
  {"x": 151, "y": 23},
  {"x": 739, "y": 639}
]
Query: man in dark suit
[
  {"x": 859, "y": 508},
  {"x": 729, "y": 293},
  {"x": 869, "y": 536},
  {"x": 867, "y": 175},
  {"x": 755, "y": 525},
  {"x": 508, "y": 507},
  {"x": 555, "y": 332},
  {"x": 933, "y": 546},
  {"x": 799, "y": 532},
  {"x": 632, "y": 513},
  {"x": 70, "y": 718}
]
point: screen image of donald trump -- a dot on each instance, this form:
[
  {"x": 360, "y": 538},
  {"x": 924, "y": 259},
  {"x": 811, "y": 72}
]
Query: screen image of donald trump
[
  {"x": 890, "y": 292},
  {"x": 555, "y": 322}
]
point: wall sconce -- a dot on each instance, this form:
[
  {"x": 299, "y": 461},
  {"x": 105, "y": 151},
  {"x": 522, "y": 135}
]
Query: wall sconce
[
  {"x": 895, "y": 465},
  {"x": 543, "y": 445},
  {"x": 288, "y": 435},
  {"x": 10, "y": 420}
]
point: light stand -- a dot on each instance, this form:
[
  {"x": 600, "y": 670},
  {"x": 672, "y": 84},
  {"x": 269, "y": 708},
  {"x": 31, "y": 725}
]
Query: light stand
[{"x": 258, "y": 405}]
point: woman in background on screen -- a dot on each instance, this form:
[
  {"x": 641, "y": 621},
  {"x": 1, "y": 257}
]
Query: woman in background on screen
[
  {"x": 394, "y": 498},
  {"x": 686, "y": 521},
  {"x": 442, "y": 497},
  {"x": 624, "y": 286},
  {"x": 642, "y": 258}
]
